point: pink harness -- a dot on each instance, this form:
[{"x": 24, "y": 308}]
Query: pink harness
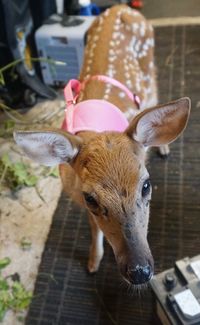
[{"x": 94, "y": 114}]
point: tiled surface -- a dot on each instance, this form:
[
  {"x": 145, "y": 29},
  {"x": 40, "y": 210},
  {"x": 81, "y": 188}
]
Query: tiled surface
[
  {"x": 171, "y": 8},
  {"x": 65, "y": 294}
]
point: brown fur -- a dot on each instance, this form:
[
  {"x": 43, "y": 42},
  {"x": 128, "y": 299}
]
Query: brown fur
[
  {"x": 103, "y": 50},
  {"x": 106, "y": 171}
]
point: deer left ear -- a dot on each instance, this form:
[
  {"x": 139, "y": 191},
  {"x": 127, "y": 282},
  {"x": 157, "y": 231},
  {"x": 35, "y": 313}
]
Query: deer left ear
[
  {"x": 161, "y": 124},
  {"x": 49, "y": 148}
]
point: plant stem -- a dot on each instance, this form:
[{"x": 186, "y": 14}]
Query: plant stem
[
  {"x": 13, "y": 63},
  {"x": 3, "y": 175}
]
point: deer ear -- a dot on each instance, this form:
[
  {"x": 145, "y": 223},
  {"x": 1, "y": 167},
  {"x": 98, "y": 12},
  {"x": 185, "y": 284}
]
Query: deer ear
[
  {"x": 49, "y": 148},
  {"x": 161, "y": 124}
]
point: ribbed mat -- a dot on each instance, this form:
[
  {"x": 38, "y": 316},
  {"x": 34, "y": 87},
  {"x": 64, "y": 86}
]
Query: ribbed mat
[{"x": 64, "y": 293}]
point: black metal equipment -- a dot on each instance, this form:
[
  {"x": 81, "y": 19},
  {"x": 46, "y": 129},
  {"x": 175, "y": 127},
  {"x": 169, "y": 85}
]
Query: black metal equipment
[
  {"x": 177, "y": 293},
  {"x": 18, "y": 26}
]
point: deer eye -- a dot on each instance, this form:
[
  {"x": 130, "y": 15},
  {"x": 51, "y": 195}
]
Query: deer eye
[
  {"x": 146, "y": 188},
  {"x": 90, "y": 200}
]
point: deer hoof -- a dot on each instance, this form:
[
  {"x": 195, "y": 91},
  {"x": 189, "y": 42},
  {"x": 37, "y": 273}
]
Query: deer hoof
[
  {"x": 93, "y": 265},
  {"x": 164, "y": 151}
]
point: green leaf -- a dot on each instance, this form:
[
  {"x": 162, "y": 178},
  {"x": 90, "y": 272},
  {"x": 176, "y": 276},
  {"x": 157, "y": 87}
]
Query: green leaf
[
  {"x": 25, "y": 243},
  {"x": 31, "y": 180},
  {"x": 24, "y": 302},
  {"x": 17, "y": 174},
  {"x": 17, "y": 287},
  {"x": 22, "y": 298},
  {"x": 20, "y": 171},
  {"x": 2, "y": 311},
  {"x": 5, "y": 298},
  {"x": 24, "y": 177},
  {"x": 4, "y": 262},
  {"x": 3, "y": 284},
  {"x": 13, "y": 295},
  {"x": 54, "y": 172}
]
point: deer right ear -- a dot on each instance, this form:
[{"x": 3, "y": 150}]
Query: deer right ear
[
  {"x": 161, "y": 124},
  {"x": 49, "y": 148}
]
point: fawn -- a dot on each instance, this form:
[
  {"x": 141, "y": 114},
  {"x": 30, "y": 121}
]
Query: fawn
[{"x": 102, "y": 166}]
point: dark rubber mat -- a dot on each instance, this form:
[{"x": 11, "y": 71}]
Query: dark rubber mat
[{"x": 64, "y": 293}]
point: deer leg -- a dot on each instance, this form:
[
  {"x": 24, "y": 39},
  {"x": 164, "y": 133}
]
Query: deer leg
[{"x": 96, "y": 248}]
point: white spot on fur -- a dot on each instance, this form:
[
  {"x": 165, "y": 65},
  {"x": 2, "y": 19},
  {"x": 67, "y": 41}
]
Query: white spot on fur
[
  {"x": 106, "y": 13},
  {"x": 137, "y": 86},
  {"x": 129, "y": 83},
  {"x": 138, "y": 45},
  {"x": 91, "y": 54},
  {"x": 96, "y": 37},
  {"x": 111, "y": 52},
  {"x": 135, "y": 27},
  {"x": 148, "y": 90},
  {"x": 121, "y": 94},
  {"x": 146, "y": 77},
  {"x": 107, "y": 91},
  {"x": 151, "y": 65},
  {"x": 116, "y": 35},
  {"x": 116, "y": 27},
  {"x": 112, "y": 58},
  {"x": 99, "y": 29},
  {"x": 135, "y": 13},
  {"x": 145, "y": 47},
  {"x": 150, "y": 42},
  {"x": 142, "y": 28},
  {"x": 93, "y": 45},
  {"x": 106, "y": 96},
  {"x": 101, "y": 20},
  {"x": 142, "y": 54},
  {"x": 111, "y": 73}
]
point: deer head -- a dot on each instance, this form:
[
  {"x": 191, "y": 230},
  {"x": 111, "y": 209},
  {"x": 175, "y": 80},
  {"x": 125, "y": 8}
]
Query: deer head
[{"x": 114, "y": 182}]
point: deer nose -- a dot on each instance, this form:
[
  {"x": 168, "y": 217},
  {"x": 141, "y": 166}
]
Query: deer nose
[{"x": 140, "y": 274}]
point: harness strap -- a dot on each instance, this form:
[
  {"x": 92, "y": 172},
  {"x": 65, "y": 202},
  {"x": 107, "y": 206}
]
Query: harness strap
[{"x": 74, "y": 87}]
